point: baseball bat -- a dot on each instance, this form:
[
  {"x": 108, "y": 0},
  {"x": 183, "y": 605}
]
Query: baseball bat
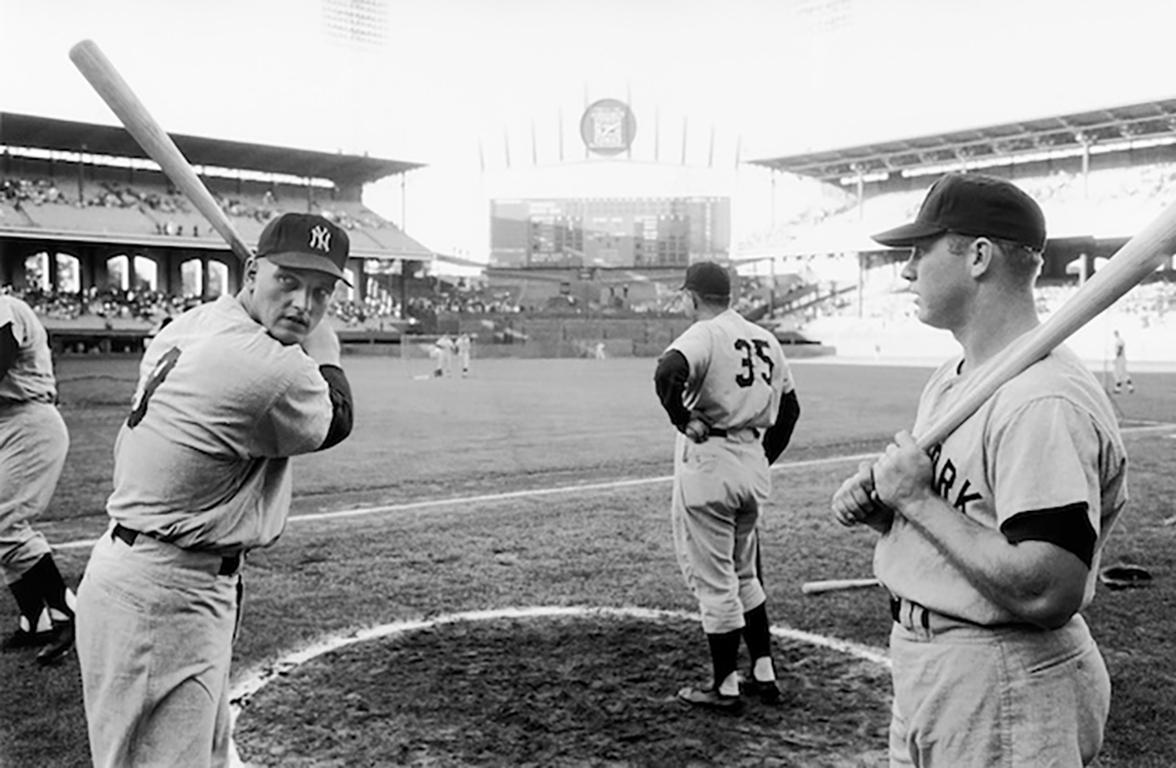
[
  {"x": 1138, "y": 258},
  {"x": 109, "y": 84},
  {"x": 832, "y": 585}
]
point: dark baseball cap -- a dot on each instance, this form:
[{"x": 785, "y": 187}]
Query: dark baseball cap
[
  {"x": 708, "y": 279},
  {"x": 305, "y": 241},
  {"x": 973, "y": 204}
]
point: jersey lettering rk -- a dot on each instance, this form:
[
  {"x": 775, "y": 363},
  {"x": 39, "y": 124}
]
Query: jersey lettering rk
[{"x": 30, "y": 379}]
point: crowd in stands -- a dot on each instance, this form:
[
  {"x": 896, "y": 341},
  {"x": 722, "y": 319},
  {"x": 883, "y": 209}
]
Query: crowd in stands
[
  {"x": 142, "y": 306},
  {"x": 22, "y": 193}
]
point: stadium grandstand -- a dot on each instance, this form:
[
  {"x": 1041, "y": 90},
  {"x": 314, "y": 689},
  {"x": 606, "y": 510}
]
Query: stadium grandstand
[
  {"x": 1100, "y": 176},
  {"x": 97, "y": 239}
]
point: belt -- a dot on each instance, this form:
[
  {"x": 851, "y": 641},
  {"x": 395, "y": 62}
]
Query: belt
[
  {"x": 720, "y": 432},
  {"x": 936, "y": 621},
  {"x": 228, "y": 565}
]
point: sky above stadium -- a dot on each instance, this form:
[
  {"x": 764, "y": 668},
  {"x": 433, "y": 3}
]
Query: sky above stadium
[{"x": 482, "y": 90}]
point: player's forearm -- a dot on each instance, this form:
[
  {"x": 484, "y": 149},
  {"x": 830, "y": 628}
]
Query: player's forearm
[
  {"x": 670, "y": 382},
  {"x": 9, "y": 349},
  {"x": 342, "y": 412},
  {"x": 780, "y": 434},
  {"x": 1036, "y": 581}
]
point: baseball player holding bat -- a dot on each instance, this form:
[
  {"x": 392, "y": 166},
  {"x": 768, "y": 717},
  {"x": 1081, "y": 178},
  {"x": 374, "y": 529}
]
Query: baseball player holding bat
[
  {"x": 227, "y": 393},
  {"x": 726, "y": 387},
  {"x": 33, "y": 445},
  {"x": 990, "y": 540}
]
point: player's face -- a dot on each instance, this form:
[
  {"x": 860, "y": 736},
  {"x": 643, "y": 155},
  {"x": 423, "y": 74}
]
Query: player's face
[
  {"x": 288, "y": 302},
  {"x": 940, "y": 282}
]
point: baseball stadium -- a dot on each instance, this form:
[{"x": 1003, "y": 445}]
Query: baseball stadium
[{"x": 483, "y": 572}]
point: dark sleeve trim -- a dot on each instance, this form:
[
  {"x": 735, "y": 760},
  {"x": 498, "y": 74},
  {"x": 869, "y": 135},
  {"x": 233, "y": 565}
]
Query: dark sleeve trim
[
  {"x": 1067, "y": 527},
  {"x": 341, "y": 408},
  {"x": 778, "y": 436},
  {"x": 9, "y": 349},
  {"x": 673, "y": 371}
]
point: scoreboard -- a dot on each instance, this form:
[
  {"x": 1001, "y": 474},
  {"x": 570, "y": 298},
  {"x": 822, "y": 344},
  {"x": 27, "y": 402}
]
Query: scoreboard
[{"x": 609, "y": 232}]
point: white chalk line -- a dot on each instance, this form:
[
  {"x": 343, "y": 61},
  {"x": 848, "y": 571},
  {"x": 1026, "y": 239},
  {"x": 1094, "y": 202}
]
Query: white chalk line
[
  {"x": 256, "y": 678},
  {"x": 610, "y": 485}
]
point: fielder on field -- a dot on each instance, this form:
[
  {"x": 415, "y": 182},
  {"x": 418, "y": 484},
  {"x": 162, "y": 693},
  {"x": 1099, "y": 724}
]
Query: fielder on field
[
  {"x": 990, "y": 545},
  {"x": 726, "y": 387},
  {"x": 33, "y": 445},
  {"x": 226, "y": 394}
]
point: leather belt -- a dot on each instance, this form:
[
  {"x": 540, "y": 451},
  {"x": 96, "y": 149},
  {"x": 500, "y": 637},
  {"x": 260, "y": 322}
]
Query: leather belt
[
  {"x": 228, "y": 565},
  {"x": 721, "y": 432}
]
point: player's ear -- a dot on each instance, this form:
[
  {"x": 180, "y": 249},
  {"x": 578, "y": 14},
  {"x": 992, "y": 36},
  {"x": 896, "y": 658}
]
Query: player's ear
[
  {"x": 251, "y": 271},
  {"x": 980, "y": 255}
]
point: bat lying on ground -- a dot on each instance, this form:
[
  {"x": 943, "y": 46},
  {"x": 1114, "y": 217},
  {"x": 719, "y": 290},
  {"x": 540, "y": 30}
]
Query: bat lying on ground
[
  {"x": 833, "y": 585},
  {"x": 105, "y": 79}
]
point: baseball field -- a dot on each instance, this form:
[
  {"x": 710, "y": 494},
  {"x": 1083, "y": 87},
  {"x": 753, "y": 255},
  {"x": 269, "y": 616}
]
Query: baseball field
[{"x": 483, "y": 575}]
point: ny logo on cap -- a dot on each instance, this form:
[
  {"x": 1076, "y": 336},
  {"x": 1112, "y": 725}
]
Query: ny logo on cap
[{"x": 320, "y": 237}]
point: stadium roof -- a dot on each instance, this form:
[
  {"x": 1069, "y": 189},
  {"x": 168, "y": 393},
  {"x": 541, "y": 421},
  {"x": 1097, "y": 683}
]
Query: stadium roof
[
  {"x": 46, "y": 133},
  {"x": 1121, "y": 127}
]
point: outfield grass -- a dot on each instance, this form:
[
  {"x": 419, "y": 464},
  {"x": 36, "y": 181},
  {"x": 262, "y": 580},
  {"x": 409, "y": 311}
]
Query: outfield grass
[{"x": 531, "y": 425}]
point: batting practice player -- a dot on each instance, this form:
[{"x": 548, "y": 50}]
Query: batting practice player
[
  {"x": 990, "y": 544},
  {"x": 33, "y": 444},
  {"x": 727, "y": 389},
  {"x": 226, "y": 394}
]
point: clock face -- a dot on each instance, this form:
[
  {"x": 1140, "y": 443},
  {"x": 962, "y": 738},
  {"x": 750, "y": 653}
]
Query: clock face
[{"x": 608, "y": 127}]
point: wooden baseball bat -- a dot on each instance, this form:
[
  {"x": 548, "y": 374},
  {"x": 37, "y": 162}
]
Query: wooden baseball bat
[
  {"x": 105, "y": 79},
  {"x": 832, "y": 585},
  {"x": 1138, "y": 258}
]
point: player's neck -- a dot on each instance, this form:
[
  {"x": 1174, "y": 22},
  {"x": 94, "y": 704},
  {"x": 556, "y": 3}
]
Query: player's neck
[{"x": 995, "y": 323}]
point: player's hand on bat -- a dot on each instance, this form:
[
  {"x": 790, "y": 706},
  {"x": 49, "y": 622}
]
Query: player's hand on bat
[
  {"x": 903, "y": 474},
  {"x": 855, "y": 503},
  {"x": 322, "y": 344}
]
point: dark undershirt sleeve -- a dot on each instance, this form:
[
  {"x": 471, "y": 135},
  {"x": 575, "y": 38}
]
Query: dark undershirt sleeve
[
  {"x": 341, "y": 417},
  {"x": 9, "y": 349},
  {"x": 779, "y": 434},
  {"x": 673, "y": 371},
  {"x": 1067, "y": 527}
]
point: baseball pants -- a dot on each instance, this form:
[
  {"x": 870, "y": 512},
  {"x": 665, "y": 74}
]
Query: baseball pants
[
  {"x": 33, "y": 445},
  {"x": 966, "y": 695},
  {"x": 155, "y": 628},
  {"x": 718, "y": 487}
]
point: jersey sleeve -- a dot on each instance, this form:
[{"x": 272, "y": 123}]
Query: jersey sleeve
[
  {"x": 1046, "y": 463},
  {"x": 298, "y": 419},
  {"x": 695, "y": 345}
]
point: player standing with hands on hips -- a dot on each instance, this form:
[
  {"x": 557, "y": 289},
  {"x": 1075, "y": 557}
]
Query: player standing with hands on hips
[
  {"x": 726, "y": 387},
  {"x": 227, "y": 393},
  {"x": 990, "y": 545},
  {"x": 33, "y": 445}
]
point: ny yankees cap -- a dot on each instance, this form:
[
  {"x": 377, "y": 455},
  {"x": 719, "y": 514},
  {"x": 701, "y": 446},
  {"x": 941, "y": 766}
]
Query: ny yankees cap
[
  {"x": 305, "y": 241},
  {"x": 973, "y": 204},
  {"x": 708, "y": 279}
]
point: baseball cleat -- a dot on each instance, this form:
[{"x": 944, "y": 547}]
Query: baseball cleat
[
  {"x": 710, "y": 698},
  {"x": 19, "y": 640},
  {"x": 61, "y": 644}
]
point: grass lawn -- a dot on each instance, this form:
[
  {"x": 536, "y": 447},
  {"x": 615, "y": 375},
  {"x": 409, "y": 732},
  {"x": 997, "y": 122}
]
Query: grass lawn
[{"x": 545, "y": 483}]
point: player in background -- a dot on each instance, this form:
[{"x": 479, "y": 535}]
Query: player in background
[
  {"x": 442, "y": 354},
  {"x": 1121, "y": 375},
  {"x": 727, "y": 389},
  {"x": 990, "y": 542},
  {"x": 463, "y": 353},
  {"x": 227, "y": 393},
  {"x": 33, "y": 445}
]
